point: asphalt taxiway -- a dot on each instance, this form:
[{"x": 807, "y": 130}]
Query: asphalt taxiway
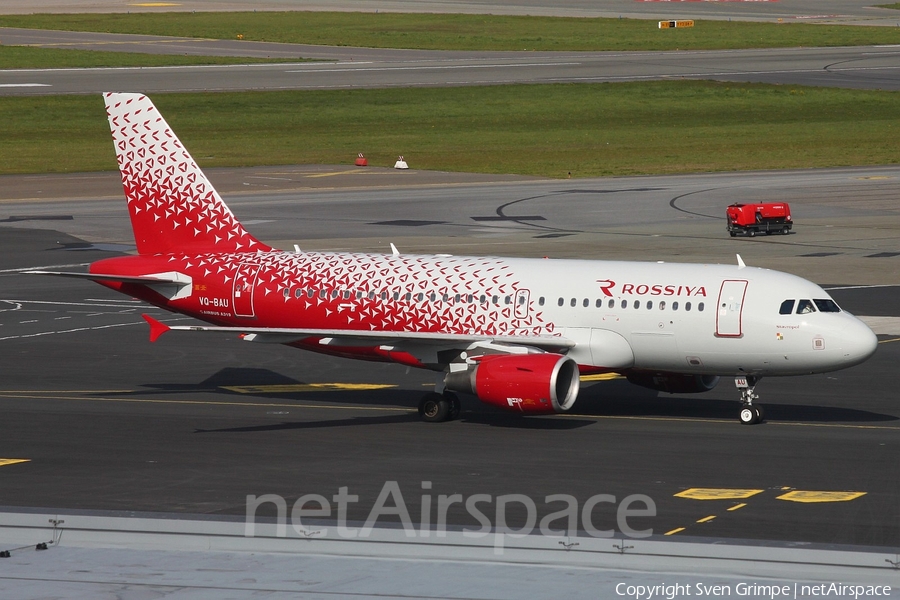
[
  {"x": 192, "y": 424},
  {"x": 862, "y": 67}
]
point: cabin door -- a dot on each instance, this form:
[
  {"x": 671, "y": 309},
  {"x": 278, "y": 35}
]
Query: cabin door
[{"x": 730, "y": 307}]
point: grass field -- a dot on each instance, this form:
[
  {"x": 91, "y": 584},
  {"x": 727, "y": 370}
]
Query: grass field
[
  {"x": 23, "y": 57},
  {"x": 463, "y": 32},
  {"x": 547, "y": 130}
]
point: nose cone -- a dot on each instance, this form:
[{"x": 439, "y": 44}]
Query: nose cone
[{"x": 858, "y": 342}]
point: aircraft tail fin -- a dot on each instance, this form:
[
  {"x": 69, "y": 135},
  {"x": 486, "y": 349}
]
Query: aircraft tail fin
[{"x": 172, "y": 204}]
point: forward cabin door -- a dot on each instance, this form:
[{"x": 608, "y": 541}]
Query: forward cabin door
[
  {"x": 244, "y": 284},
  {"x": 730, "y": 307}
]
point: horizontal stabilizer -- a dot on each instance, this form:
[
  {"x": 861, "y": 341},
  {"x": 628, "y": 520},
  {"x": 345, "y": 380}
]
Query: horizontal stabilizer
[
  {"x": 156, "y": 328},
  {"x": 175, "y": 278}
]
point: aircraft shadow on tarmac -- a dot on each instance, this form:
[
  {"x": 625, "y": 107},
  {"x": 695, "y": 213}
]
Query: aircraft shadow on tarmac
[{"x": 616, "y": 398}]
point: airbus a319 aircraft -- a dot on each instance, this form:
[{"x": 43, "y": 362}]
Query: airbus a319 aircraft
[{"x": 515, "y": 332}]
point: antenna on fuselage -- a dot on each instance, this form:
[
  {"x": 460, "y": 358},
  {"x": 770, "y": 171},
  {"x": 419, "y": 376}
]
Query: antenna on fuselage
[
  {"x": 297, "y": 248},
  {"x": 394, "y": 250},
  {"x": 741, "y": 264}
]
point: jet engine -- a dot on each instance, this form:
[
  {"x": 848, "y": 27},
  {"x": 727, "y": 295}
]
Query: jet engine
[
  {"x": 674, "y": 383},
  {"x": 527, "y": 383}
]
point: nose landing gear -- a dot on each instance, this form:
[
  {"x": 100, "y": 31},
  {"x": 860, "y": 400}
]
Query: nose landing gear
[{"x": 750, "y": 413}]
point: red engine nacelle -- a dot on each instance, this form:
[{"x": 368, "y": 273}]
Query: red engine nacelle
[
  {"x": 528, "y": 383},
  {"x": 674, "y": 383}
]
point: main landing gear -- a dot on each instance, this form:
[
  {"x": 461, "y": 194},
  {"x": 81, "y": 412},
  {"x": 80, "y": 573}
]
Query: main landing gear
[
  {"x": 435, "y": 408},
  {"x": 750, "y": 413}
]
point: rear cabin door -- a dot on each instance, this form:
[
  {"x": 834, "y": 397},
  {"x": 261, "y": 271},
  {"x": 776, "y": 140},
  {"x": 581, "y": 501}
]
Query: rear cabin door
[
  {"x": 244, "y": 284},
  {"x": 522, "y": 302},
  {"x": 730, "y": 307}
]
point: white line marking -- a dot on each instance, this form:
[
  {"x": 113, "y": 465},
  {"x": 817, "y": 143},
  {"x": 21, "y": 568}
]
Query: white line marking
[
  {"x": 24, "y": 85},
  {"x": 437, "y": 68},
  {"x": 861, "y": 287},
  {"x": 92, "y": 305},
  {"x": 32, "y": 335},
  {"x": 44, "y": 268}
]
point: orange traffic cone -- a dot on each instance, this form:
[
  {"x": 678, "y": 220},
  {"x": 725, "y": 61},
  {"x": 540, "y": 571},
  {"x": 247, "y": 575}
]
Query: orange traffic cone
[{"x": 361, "y": 161}]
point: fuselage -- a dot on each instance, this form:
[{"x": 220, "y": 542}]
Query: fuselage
[{"x": 682, "y": 318}]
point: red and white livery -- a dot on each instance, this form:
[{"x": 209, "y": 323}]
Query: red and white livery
[{"x": 517, "y": 333}]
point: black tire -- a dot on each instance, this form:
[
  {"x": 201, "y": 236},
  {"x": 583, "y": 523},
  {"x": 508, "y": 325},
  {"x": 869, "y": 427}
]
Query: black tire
[
  {"x": 455, "y": 405},
  {"x": 751, "y": 233},
  {"x": 785, "y": 231},
  {"x": 760, "y": 413},
  {"x": 732, "y": 234},
  {"x": 747, "y": 415},
  {"x": 434, "y": 408}
]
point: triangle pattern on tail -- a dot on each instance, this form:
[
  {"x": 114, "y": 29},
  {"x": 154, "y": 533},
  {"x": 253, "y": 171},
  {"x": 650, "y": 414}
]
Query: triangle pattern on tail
[{"x": 173, "y": 207}]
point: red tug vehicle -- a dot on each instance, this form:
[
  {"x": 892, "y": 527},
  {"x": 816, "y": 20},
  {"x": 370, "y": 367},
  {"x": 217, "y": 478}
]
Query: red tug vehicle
[{"x": 750, "y": 219}]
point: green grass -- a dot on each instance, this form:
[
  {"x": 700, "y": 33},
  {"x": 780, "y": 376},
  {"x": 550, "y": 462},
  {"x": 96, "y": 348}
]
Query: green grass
[
  {"x": 548, "y": 130},
  {"x": 895, "y": 6},
  {"x": 463, "y": 32},
  {"x": 23, "y": 57}
]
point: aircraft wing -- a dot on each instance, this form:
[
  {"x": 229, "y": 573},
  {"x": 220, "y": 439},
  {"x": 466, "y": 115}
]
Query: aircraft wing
[{"x": 360, "y": 337}]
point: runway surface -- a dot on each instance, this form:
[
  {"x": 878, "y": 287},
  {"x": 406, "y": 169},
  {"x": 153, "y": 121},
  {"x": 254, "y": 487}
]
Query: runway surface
[
  {"x": 865, "y": 67},
  {"x": 194, "y": 423}
]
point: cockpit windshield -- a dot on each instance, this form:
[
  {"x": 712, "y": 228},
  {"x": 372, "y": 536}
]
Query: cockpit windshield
[
  {"x": 805, "y": 307},
  {"x": 826, "y": 305}
]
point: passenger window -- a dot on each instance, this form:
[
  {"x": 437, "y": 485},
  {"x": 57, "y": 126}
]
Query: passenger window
[
  {"x": 359, "y": 295},
  {"x": 649, "y": 304},
  {"x": 687, "y": 306},
  {"x": 507, "y": 300},
  {"x": 310, "y": 293},
  {"x": 419, "y": 297},
  {"x": 346, "y": 294},
  {"x": 804, "y": 307},
  {"x": 612, "y": 303},
  {"x": 298, "y": 293},
  {"x": 586, "y": 303},
  {"x": 287, "y": 292},
  {"x": 700, "y": 307},
  {"x": 561, "y": 301},
  {"x": 521, "y": 300},
  {"x": 599, "y": 303},
  {"x": 573, "y": 302},
  {"x": 541, "y": 301},
  {"x": 624, "y": 303},
  {"x": 675, "y": 306},
  {"x": 408, "y": 296},
  {"x": 662, "y": 305},
  {"x": 495, "y": 299},
  {"x": 323, "y": 294},
  {"x": 637, "y": 303},
  {"x": 482, "y": 299},
  {"x": 334, "y": 293},
  {"x": 787, "y": 307},
  {"x": 827, "y": 305},
  {"x": 371, "y": 295},
  {"x": 434, "y": 297}
]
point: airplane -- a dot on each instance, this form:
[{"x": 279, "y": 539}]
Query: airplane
[{"x": 515, "y": 332}]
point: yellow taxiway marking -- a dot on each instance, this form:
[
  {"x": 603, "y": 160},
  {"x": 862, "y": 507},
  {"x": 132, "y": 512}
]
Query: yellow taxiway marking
[
  {"x": 717, "y": 494},
  {"x": 210, "y": 403},
  {"x": 306, "y": 387},
  {"x": 706, "y": 519},
  {"x": 737, "y": 506},
  {"x": 601, "y": 377},
  {"x": 809, "y": 496},
  {"x": 888, "y": 341},
  {"x": 674, "y": 531},
  {"x": 333, "y": 173},
  {"x": 873, "y": 177},
  {"x": 12, "y": 461}
]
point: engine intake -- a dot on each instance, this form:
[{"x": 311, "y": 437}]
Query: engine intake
[{"x": 528, "y": 383}]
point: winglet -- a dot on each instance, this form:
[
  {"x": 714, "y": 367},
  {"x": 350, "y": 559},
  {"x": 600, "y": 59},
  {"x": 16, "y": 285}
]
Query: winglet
[
  {"x": 156, "y": 328},
  {"x": 741, "y": 264}
]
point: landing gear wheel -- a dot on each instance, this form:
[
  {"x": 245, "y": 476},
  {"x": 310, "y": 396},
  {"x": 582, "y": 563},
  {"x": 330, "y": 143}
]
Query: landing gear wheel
[
  {"x": 434, "y": 408},
  {"x": 455, "y": 405},
  {"x": 760, "y": 413},
  {"x": 748, "y": 415}
]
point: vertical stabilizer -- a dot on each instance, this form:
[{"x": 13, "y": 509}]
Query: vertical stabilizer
[{"x": 173, "y": 206}]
